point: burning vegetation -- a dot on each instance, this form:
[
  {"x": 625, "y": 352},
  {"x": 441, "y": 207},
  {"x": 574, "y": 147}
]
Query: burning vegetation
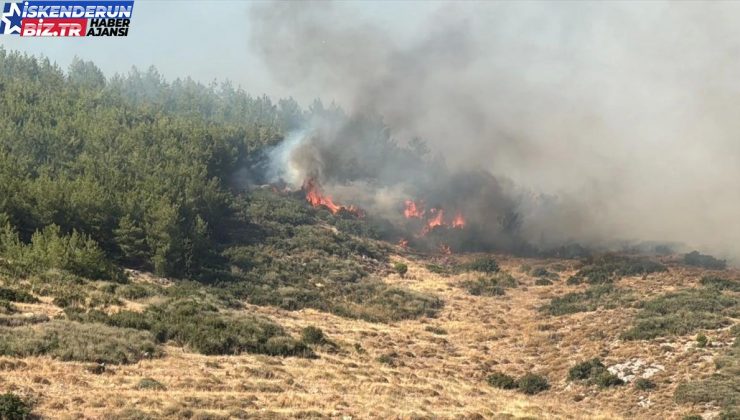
[{"x": 317, "y": 198}]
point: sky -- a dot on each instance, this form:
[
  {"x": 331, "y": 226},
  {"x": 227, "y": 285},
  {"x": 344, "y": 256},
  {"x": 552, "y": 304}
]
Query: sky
[
  {"x": 626, "y": 110},
  {"x": 204, "y": 40}
]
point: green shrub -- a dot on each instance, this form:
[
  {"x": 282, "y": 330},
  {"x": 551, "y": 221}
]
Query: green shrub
[
  {"x": 604, "y": 296},
  {"x": 543, "y": 273},
  {"x": 720, "y": 388},
  {"x": 483, "y": 264},
  {"x": 20, "y": 320},
  {"x": 150, "y": 384},
  {"x": 378, "y": 302},
  {"x": 501, "y": 380},
  {"x": 313, "y": 335},
  {"x": 682, "y": 313},
  {"x": 720, "y": 283},
  {"x": 136, "y": 291},
  {"x": 13, "y": 407},
  {"x": 693, "y": 417},
  {"x": 435, "y": 330},
  {"x": 702, "y": 340},
  {"x": 606, "y": 379},
  {"x": 401, "y": 268},
  {"x": 16, "y": 296},
  {"x": 586, "y": 370},
  {"x": 440, "y": 269},
  {"x": 6, "y": 307},
  {"x": 493, "y": 285},
  {"x": 608, "y": 268},
  {"x": 643, "y": 384},
  {"x": 594, "y": 372},
  {"x": 49, "y": 248},
  {"x": 729, "y": 413},
  {"x": 200, "y": 327},
  {"x": 389, "y": 359},
  {"x": 531, "y": 384},
  {"x": 542, "y": 282},
  {"x": 705, "y": 261},
  {"x": 717, "y": 389},
  {"x": 73, "y": 341}
]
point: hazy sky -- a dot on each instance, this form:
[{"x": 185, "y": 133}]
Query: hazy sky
[
  {"x": 205, "y": 40},
  {"x": 628, "y": 109}
]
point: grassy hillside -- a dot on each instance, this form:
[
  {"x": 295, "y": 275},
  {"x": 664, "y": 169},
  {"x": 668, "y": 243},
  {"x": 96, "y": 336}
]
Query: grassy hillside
[{"x": 141, "y": 278}]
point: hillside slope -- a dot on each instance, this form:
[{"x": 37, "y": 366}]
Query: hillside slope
[{"x": 417, "y": 368}]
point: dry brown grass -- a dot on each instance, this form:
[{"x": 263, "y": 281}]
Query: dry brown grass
[{"x": 441, "y": 376}]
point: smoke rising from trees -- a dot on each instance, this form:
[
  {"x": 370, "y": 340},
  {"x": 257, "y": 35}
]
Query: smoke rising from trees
[{"x": 614, "y": 121}]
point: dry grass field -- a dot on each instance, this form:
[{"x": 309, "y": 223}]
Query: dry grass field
[{"x": 424, "y": 368}]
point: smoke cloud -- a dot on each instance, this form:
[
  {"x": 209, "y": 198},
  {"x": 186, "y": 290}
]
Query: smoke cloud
[{"x": 595, "y": 122}]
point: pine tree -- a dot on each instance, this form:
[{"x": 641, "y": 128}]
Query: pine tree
[{"x": 131, "y": 239}]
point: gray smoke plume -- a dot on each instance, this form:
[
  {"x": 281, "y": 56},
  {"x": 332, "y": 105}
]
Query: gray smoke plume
[{"x": 615, "y": 121}]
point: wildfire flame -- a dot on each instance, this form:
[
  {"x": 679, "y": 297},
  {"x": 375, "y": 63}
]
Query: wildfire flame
[
  {"x": 459, "y": 221},
  {"x": 435, "y": 216},
  {"x": 316, "y": 198},
  {"x": 403, "y": 243},
  {"x": 413, "y": 209},
  {"x": 445, "y": 249},
  {"x": 437, "y": 220}
]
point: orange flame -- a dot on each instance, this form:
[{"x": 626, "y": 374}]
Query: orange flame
[
  {"x": 316, "y": 198},
  {"x": 413, "y": 209},
  {"x": 403, "y": 243},
  {"x": 445, "y": 249},
  {"x": 437, "y": 220},
  {"x": 459, "y": 221}
]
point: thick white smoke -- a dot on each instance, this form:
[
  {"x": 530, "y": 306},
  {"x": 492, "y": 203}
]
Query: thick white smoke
[{"x": 624, "y": 115}]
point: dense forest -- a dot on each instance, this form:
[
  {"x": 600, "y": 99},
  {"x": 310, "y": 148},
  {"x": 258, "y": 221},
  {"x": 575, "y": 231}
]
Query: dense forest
[{"x": 99, "y": 174}]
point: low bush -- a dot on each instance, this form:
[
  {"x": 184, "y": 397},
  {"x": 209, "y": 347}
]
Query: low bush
[
  {"x": 203, "y": 329},
  {"x": 696, "y": 259},
  {"x": 442, "y": 270},
  {"x": 682, "y": 313},
  {"x": 6, "y": 308},
  {"x": 150, "y": 384},
  {"x": 586, "y": 370},
  {"x": 19, "y": 320},
  {"x": 73, "y": 341},
  {"x": 542, "y": 282},
  {"x": 313, "y": 335},
  {"x": 435, "y": 330},
  {"x": 594, "y": 372},
  {"x": 16, "y": 296},
  {"x": 720, "y": 283},
  {"x": 604, "y": 296},
  {"x": 501, "y": 380},
  {"x": 379, "y": 302},
  {"x": 390, "y": 359},
  {"x": 717, "y": 389},
  {"x": 485, "y": 264},
  {"x": 401, "y": 269},
  {"x": 136, "y": 291},
  {"x": 49, "y": 248},
  {"x": 608, "y": 268},
  {"x": 543, "y": 273},
  {"x": 531, "y": 384},
  {"x": 643, "y": 384},
  {"x": 607, "y": 379},
  {"x": 493, "y": 285},
  {"x": 13, "y": 407},
  {"x": 721, "y": 388}
]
